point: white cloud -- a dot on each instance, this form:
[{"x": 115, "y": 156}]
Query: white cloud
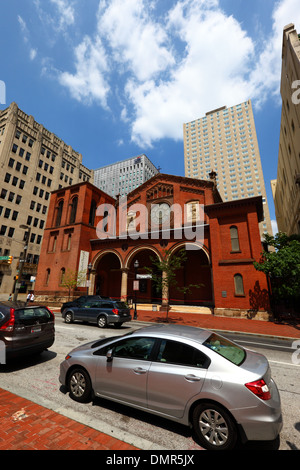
[
  {"x": 24, "y": 28},
  {"x": 167, "y": 70},
  {"x": 66, "y": 12},
  {"x": 136, "y": 41},
  {"x": 88, "y": 83},
  {"x": 32, "y": 54}
]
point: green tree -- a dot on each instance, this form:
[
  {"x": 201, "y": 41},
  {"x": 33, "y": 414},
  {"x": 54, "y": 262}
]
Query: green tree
[
  {"x": 282, "y": 266},
  {"x": 72, "y": 279},
  {"x": 164, "y": 274}
]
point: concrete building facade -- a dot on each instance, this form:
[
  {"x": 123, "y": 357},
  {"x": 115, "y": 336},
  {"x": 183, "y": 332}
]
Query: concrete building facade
[
  {"x": 33, "y": 163},
  {"x": 286, "y": 188},
  {"x": 225, "y": 140},
  {"x": 120, "y": 178}
]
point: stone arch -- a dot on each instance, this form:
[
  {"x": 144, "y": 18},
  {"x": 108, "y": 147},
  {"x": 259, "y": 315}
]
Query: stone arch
[
  {"x": 195, "y": 271},
  {"x": 147, "y": 292},
  {"x": 107, "y": 274}
]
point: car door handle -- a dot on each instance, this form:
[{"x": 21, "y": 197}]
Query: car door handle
[
  {"x": 139, "y": 370},
  {"x": 192, "y": 378}
]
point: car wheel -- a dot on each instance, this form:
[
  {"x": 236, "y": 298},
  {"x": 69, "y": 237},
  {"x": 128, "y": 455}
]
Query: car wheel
[
  {"x": 214, "y": 427},
  {"x": 79, "y": 385},
  {"x": 68, "y": 317},
  {"x": 102, "y": 321}
]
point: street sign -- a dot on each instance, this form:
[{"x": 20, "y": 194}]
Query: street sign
[
  {"x": 144, "y": 276},
  {"x": 136, "y": 285},
  {"x": 4, "y": 258}
]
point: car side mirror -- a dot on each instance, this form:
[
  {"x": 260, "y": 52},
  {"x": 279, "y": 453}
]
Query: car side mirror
[{"x": 109, "y": 355}]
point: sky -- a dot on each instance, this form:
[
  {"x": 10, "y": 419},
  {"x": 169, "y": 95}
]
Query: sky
[{"x": 117, "y": 78}]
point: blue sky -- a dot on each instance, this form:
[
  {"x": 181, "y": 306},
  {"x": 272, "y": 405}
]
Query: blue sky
[{"x": 116, "y": 78}]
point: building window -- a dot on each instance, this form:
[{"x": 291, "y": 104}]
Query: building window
[
  {"x": 238, "y": 285},
  {"x": 48, "y": 271},
  {"x": 92, "y": 213},
  {"x": 59, "y": 213},
  {"x": 62, "y": 275},
  {"x": 235, "y": 245},
  {"x": 73, "y": 210}
]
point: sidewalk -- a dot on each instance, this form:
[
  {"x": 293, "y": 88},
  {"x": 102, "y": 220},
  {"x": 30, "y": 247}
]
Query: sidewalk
[
  {"x": 28, "y": 426},
  {"x": 212, "y": 322}
]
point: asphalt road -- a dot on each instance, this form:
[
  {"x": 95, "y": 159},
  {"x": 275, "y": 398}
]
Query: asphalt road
[{"x": 37, "y": 379}]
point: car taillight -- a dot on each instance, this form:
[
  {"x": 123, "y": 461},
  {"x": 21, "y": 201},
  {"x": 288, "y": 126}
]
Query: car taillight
[
  {"x": 9, "y": 325},
  {"x": 52, "y": 314},
  {"x": 259, "y": 388},
  {"x": 115, "y": 311}
]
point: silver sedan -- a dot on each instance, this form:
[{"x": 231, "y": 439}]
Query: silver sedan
[{"x": 185, "y": 374}]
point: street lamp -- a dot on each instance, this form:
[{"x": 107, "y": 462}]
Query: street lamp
[
  {"x": 23, "y": 260},
  {"x": 89, "y": 269},
  {"x": 136, "y": 265}
]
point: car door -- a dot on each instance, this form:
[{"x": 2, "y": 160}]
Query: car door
[
  {"x": 177, "y": 374},
  {"x": 124, "y": 378},
  {"x": 84, "y": 312}
]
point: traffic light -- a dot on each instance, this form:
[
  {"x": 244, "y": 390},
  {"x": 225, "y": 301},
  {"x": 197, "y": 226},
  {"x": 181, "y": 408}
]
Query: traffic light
[
  {"x": 10, "y": 258},
  {"x": 16, "y": 277}
]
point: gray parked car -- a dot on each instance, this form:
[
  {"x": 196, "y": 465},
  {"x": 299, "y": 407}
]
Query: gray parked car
[
  {"x": 25, "y": 329},
  {"x": 185, "y": 374},
  {"x": 101, "y": 312}
]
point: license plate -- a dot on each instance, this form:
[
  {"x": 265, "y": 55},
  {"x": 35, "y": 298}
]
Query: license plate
[{"x": 36, "y": 329}]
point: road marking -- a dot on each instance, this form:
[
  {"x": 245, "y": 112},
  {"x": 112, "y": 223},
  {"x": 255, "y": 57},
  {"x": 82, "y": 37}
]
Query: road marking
[{"x": 285, "y": 363}]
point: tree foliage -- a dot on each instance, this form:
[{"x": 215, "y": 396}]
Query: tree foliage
[
  {"x": 282, "y": 265},
  {"x": 164, "y": 272}
]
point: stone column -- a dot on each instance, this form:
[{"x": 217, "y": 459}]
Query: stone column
[{"x": 124, "y": 284}]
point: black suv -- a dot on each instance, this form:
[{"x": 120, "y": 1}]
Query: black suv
[
  {"x": 102, "y": 312},
  {"x": 24, "y": 329},
  {"x": 81, "y": 300}
]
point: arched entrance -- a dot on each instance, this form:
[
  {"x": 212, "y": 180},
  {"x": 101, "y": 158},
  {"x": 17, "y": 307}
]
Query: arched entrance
[
  {"x": 108, "y": 275},
  {"x": 196, "y": 270},
  {"x": 147, "y": 291}
]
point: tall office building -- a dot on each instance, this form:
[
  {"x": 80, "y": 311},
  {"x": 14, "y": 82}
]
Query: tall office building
[
  {"x": 33, "y": 163},
  {"x": 225, "y": 140},
  {"x": 122, "y": 177},
  {"x": 287, "y": 186}
]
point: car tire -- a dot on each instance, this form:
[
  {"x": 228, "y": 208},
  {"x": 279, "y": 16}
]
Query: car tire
[
  {"x": 214, "y": 427},
  {"x": 102, "y": 321},
  {"x": 79, "y": 385},
  {"x": 68, "y": 317}
]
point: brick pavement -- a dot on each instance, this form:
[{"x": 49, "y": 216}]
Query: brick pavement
[{"x": 28, "y": 426}]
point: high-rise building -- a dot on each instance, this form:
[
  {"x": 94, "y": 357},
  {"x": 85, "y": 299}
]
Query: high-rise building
[
  {"x": 119, "y": 179},
  {"x": 225, "y": 140},
  {"x": 287, "y": 186},
  {"x": 33, "y": 163}
]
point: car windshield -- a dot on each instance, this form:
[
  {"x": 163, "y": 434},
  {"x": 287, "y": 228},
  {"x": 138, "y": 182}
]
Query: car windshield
[{"x": 226, "y": 348}]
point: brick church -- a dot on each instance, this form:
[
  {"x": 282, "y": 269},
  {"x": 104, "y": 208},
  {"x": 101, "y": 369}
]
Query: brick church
[{"x": 110, "y": 242}]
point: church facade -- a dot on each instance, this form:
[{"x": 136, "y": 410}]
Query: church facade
[{"x": 112, "y": 245}]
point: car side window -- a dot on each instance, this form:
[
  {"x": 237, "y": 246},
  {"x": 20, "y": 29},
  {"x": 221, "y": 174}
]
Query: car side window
[
  {"x": 134, "y": 348},
  {"x": 107, "y": 305},
  {"x": 174, "y": 352},
  {"x": 130, "y": 348}
]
